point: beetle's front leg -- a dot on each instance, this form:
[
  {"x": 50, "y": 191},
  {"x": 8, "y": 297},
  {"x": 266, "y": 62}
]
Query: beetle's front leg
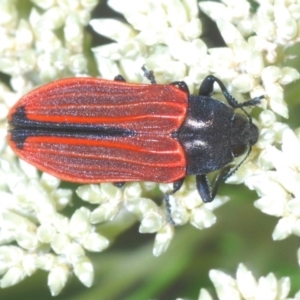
[
  {"x": 207, "y": 86},
  {"x": 204, "y": 187}
]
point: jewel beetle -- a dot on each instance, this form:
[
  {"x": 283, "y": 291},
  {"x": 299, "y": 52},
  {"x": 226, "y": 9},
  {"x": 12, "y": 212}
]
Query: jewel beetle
[{"x": 91, "y": 130}]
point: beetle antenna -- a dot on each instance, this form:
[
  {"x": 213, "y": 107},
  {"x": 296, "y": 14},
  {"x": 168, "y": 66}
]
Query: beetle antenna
[
  {"x": 232, "y": 171},
  {"x": 251, "y": 102},
  {"x": 225, "y": 174},
  {"x": 248, "y": 116}
]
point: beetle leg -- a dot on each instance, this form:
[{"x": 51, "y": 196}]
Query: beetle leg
[
  {"x": 204, "y": 187},
  {"x": 118, "y": 184},
  {"x": 181, "y": 85},
  {"x": 119, "y": 78},
  {"x": 149, "y": 75},
  {"x": 206, "y": 89},
  {"x": 176, "y": 186},
  {"x": 207, "y": 86}
]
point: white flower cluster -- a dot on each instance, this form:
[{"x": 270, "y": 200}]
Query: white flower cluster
[
  {"x": 162, "y": 34},
  {"x": 255, "y": 43},
  {"x": 31, "y": 52},
  {"x": 165, "y": 36},
  {"x": 277, "y": 176},
  {"x": 246, "y": 287},
  {"x": 45, "y": 239},
  {"x": 153, "y": 218}
]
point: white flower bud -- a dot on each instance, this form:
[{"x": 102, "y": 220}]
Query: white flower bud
[
  {"x": 202, "y": 218},
  {"x": 45, "y": 261},
  {"x": 180, "y": 215},
  {"x": 60, "y": 242},
  {"x": 49, "y": 182},
  {"x": 73, "y": 33},
  {"x": 267, "y": 287},
  {"x": 271, "y": 74},
  {"x": 255, "y": 63},
  {"x": 214, "y": 10},
  {"x": 132, "y": 191},
  {"x": 10, "y": 256},
  {"x": 204, "y": 295},
  {"x": 283, "y": 228},
  {"x": 27, "y": 239},
  {"x": 113, "y": 29},
  {"x": 243, "y": 83},
  {"x": 90, "y": 193},
  {"x": 105, "y": 212},
  {"x": 267, "y": 118},
  {"x": 57, "y": 279},
  {"x": 46, "y": 233},
  {"x": 78, "y": 64},
  {"x": 53, "y": 18},
  {"x": 246, "y": 282},
  {"x": 80, "y": 222},
  {"x": 289, "y": 75},
  {"x": 266, "y": 137},
  {"x": 95, "y": 242},
  {"x": 24, "y": 35},
  {"x": 151, "y": 222},
  {"x": 29, "y": 264},
  {"x": 62, "y": 198},
  {"x": 74, "y": 252},
  {"x": 163, "y": 239},
  {"x": 224, "y": 284},
  {"x": 13, "y": 276},
  {"x": 84, "y": 270},
  {"x": 60, "y": 222}
]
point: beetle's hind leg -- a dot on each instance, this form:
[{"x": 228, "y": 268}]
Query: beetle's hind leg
[
  {"x": 176, "y": 187},
  {"x": 119, "y": 78},
  {"x": 150, "y": 76},
  {"x": 181, "y": 85},
  {"x": 118, "y": 184}
]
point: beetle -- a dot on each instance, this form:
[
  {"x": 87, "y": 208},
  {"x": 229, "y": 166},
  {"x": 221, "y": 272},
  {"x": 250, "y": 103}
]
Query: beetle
[{"x": 91, "y": 130}]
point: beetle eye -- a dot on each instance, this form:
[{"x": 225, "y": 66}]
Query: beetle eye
[
  {"x": 239, "y": 121},
  {"x": 253, "y": 134},
  {"x": 238, "y": 150}
]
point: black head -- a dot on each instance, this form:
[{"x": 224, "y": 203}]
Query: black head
[{"x": 244, "y": 134}]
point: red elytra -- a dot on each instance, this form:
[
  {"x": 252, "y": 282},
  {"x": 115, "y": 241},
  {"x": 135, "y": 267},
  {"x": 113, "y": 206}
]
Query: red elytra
[{"x": 91, "y": 130}]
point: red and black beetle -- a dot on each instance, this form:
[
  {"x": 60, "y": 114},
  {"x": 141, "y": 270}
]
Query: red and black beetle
[{"x": 91, "y": 130}]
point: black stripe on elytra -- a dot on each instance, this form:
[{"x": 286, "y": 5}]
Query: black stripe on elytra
[{"x": 22, "y": 128}]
